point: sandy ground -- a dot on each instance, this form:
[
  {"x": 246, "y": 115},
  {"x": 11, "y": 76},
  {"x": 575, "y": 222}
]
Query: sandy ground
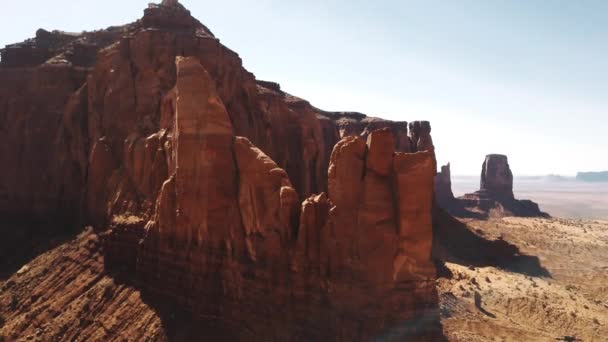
[{"x": 492, "y": 304}]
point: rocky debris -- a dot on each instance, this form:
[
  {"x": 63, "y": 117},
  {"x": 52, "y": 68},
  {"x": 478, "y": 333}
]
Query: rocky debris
[
  {"x": 169, "y": 128},
  {"x": 494, "y": 198}
]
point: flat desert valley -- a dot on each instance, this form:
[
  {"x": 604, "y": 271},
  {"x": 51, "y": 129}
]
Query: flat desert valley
[{"x": 560, "y": 293}]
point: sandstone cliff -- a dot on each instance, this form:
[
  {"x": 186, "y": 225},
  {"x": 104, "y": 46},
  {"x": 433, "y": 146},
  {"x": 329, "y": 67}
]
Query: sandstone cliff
[
  {"x": 199, "y": 170},
  {"x": 226, "y": 231}
]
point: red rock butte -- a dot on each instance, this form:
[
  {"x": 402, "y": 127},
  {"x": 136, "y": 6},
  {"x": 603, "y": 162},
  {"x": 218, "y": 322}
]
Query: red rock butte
[
  {"x": 494, "y": 198},
  {"x": 218, "y": 192}
]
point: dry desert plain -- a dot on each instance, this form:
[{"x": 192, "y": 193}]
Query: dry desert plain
[{"x": 562, "y": 297}]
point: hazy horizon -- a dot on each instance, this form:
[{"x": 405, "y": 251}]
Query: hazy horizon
[{"x": 525, "y": 79}]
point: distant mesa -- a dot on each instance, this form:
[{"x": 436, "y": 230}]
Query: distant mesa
[
  {"x": 496, "y": 177},
  {"x": 601, "y": 176},
  {"x": 494, "y": 198}
]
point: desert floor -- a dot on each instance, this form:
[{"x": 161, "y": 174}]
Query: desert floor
[{"x": 567, "y": 301}]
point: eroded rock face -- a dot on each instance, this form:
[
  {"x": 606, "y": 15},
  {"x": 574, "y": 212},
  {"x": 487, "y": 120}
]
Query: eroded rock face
[
  {"x": 165, "y": 127},
  {"x": 496, "y": 176},
  {"x": 356, "y": 264},
  {"x": 32, "y": 102},
  {"x": 113, "y": 92},
  {"x": 357, "y": 124},
  {"x": 420, "y": 135}
]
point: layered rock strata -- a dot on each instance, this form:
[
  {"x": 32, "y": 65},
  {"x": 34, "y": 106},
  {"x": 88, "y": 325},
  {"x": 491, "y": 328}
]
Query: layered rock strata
[
  {"x": 200, "y": 171},
  {"x": 225, "y": 240}
]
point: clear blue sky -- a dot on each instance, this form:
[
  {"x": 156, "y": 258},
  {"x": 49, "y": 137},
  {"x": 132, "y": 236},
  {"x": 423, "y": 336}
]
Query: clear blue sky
[{"x": 526, "y": 78}]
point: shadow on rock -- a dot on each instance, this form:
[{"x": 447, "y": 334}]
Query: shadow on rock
[
  {"x": 181, "y": 325},
  {"x": 23, "y": 241},
  {"x": 454, "y": 242},
  {"x": 178, "y": 323}
]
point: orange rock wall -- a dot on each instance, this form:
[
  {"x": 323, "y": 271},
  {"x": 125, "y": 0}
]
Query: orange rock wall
[
  {"x": 214, "y": 165},
  {"x": 356, "y": 266}
]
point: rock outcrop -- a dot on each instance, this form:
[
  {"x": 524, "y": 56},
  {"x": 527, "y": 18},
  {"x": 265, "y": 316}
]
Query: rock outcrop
[
  {"x": 496, "y": 176},
  {"x": 494, "y": 198},
  {"x": 336, "y": 273},
  {"x": 357, "y": 124},
  {"x": 199, "y": 170},
  {"x": 443, "y": 187}
]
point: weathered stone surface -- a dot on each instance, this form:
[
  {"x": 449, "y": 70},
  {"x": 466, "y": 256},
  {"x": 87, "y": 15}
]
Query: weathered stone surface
[
  {"x": 329, "y": 268},
  {"x": 119, "y": 100},
  {"x": 380, "y": 152},
  {"x": 414, "y": 178},
  {"x": 268, "y": 219},
  {"x": 357, "y": 124},
  {"x": 420, "y": 135},
  {"x": 101, "y": 167},
  {"x": 167, "y": 127},
  {"x": 496, "y": 176},
  {"x": 32, "y": 103},
  {"x": 345, "y": 174},
  {"x": 299, "y": 140}
]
